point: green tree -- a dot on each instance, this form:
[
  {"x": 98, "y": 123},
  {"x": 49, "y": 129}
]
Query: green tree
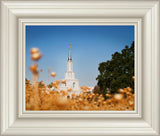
[{"x": 118, "y": 72}]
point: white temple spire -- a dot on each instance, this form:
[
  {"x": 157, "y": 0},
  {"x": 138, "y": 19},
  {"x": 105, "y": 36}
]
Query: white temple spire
[
  {"x": 71, "y": 82},
  {"x": 69, "y": 57},
  {"x": 70, "y": 63}
]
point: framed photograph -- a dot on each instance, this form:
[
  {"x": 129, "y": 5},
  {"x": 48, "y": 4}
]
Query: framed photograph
[
  {"x": 80, "y": 68},
  {"x": 97, "y": 87}
]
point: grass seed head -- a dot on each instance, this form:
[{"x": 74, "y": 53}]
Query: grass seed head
[
  {"x": 34, "y": 50},
  {"x": 118, "y": 96},
  {"x": 36, "y": 56},
  {"x": 53, "y": 74}
]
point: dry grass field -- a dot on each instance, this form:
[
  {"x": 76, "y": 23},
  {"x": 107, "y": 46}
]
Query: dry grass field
[{"x": 40, "y": 96}]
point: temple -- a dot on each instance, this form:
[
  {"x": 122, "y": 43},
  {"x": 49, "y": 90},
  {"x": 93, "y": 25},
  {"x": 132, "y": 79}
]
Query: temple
[{"x": 71, "y": 82}]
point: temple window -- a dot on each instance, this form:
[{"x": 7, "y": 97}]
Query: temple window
[{"x": 73, "y": 84}]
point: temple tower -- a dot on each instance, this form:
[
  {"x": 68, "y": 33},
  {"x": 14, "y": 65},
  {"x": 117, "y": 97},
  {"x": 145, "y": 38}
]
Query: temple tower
[{"x": 71, "y": 82}]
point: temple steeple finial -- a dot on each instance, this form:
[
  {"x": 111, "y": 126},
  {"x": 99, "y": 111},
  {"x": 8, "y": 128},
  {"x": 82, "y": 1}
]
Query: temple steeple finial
[{"x": 69, "y": 57}]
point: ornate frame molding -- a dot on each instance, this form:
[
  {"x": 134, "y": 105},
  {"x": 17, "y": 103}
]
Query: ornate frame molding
[{"x": 143, "y": 14}]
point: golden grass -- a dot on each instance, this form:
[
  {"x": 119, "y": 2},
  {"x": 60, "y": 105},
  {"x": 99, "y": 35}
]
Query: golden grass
[
  {"x": 41, "y": 97},
  {"x": 46, "y": 99}
]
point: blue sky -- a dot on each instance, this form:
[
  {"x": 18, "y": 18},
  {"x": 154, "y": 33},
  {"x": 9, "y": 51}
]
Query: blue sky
[{"x": 90, "y": 45}]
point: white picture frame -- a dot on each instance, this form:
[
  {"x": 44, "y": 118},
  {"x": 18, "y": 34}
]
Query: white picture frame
[{"x": 144, "y": 15}]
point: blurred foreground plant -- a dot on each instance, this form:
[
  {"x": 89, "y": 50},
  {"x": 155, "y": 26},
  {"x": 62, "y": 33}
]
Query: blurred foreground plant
[{"x": 41, "y": 96}]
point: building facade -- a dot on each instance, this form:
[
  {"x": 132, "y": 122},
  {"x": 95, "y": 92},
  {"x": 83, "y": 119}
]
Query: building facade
[{"x": 71, "y": 81}]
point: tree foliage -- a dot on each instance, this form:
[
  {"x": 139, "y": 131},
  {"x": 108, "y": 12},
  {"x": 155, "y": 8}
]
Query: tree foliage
[{"x": 118, "y": 72}]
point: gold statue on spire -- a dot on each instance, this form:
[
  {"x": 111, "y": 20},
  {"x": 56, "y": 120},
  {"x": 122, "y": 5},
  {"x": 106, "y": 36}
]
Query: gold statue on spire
[{"x": 69, "y": 46}]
